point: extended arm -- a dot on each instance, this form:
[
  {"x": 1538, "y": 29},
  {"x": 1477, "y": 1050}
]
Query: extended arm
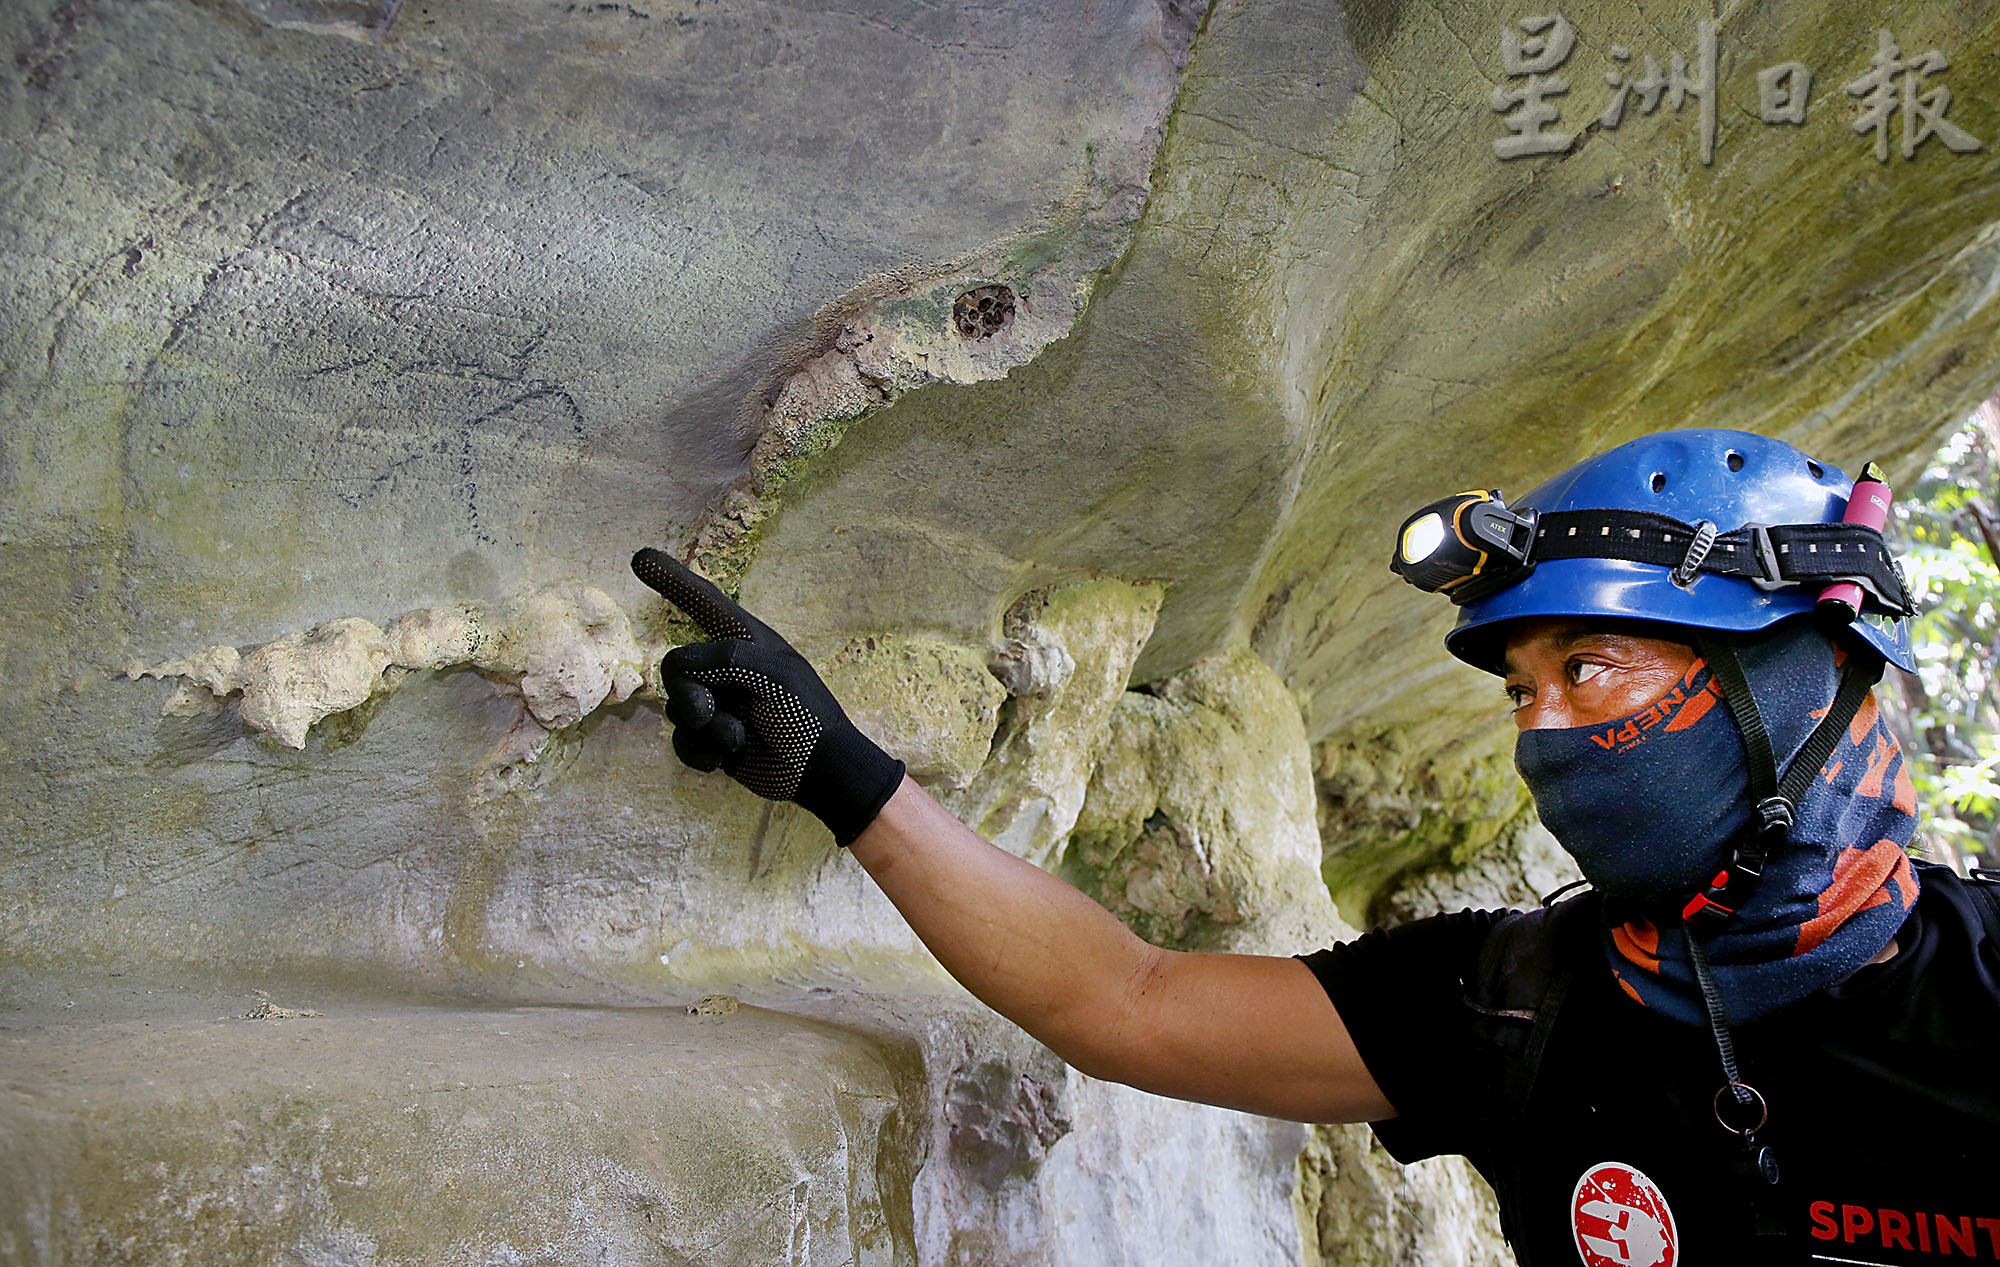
[
  {"x": 1249, "y": 1032},
  {"x": 1243, "y": 1031}
]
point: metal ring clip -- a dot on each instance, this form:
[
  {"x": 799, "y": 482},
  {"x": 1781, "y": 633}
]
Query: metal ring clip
[{"x": 1763, "y": 1110}]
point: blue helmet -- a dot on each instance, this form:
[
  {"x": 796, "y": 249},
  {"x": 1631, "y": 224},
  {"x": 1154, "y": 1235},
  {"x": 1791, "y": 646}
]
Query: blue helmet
[{"x": 1731, "y": 479}]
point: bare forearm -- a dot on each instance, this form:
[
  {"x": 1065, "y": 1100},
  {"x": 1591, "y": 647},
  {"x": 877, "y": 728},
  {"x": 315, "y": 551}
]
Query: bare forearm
[
  {"x": 1245, "y": 1031},
  {"x": 1029, "y": 946}
]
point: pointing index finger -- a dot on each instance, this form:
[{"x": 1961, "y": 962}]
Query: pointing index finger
[{"x": 704, "y": 602}]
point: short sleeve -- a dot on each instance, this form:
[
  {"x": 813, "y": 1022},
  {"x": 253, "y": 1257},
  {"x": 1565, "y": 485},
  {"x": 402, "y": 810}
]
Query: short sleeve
[{"x": 1402, "y": 994}]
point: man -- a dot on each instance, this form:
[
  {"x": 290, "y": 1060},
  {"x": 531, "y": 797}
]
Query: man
[{"x": 1764, "y": 1036}]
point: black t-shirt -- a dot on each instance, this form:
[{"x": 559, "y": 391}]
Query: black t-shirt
[{"x": 1883, "y": 1093}]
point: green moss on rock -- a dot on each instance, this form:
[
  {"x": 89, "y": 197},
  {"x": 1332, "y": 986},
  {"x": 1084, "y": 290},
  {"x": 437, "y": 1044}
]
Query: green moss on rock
[
  {"x": 1199, "y": 817},
  {"x": 932, "y": 703},
  {"x": 1388, "y": 809}
]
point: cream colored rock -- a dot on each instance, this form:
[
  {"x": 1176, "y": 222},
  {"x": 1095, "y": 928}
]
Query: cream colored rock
[
  {"x": 206, "y": 677},
  {"x": 568, "y": 648},
  {"x": 1083, "y": 640},
  {"x": 564, "y": 650},
  {"x": 1359, "y": 1208},
  {"x": 1200, "y": 824},
  {"x": 931, "y": 703},
  {"x": 440, "y": 637},
  {"x": 291, "y": 683},
  {"x": 287, "y": 685}
]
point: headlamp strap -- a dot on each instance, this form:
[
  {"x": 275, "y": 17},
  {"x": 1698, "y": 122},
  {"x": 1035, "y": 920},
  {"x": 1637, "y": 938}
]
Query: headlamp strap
[
  {"x": 1771, "y": 555},
  {"x": 1775, "y": 799}
]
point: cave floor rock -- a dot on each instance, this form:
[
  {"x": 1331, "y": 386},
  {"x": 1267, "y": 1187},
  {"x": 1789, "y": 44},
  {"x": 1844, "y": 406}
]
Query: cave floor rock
[{"x": 174, "y": 1126}]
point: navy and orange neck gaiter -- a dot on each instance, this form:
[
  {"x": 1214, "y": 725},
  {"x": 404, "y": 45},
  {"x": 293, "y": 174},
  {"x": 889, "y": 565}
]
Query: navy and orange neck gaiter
[{"x": 1648, "y": 806}]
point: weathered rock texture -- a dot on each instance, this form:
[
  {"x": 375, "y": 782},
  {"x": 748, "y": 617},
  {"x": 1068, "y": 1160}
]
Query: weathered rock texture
[
  {"x": 545, "y": 1135},
  {"x": 1051, "y": 374}
]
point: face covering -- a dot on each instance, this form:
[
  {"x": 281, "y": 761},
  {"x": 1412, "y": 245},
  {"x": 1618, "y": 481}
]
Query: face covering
[
  {"x": 1649, "y": 805},
  {"x": 1645, "y": 804}
]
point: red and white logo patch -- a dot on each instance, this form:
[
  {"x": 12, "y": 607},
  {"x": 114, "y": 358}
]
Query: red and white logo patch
[{"x": 1621, "y": 1219}]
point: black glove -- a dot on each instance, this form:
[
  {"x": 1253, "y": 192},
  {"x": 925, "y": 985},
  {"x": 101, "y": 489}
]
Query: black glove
[{"x": 747, "y": 702}]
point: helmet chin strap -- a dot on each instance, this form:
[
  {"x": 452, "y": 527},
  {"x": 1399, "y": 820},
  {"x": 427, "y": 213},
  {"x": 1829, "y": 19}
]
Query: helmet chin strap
[
  {"x": 1708, "y": 911},
  {"x": 1711, "y": 908}
]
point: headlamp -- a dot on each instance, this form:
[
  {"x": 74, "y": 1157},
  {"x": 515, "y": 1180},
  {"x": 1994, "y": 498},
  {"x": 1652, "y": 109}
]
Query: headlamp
[{"x": 1465, "y": 546}]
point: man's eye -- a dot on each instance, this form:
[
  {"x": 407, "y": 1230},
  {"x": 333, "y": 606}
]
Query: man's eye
[
  {"x": 1582, "y": 671},
  {"x": 1518, "y": 696}
]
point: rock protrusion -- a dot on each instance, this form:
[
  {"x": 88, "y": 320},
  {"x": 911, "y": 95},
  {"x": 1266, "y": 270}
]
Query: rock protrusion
[
  {"x": 1199, "y": 825},
  {"x": 564, "y": 650},
  {"x": 1065, "y": 661}
]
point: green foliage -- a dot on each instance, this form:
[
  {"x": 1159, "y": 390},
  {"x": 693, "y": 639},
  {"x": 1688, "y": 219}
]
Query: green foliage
[{"x": 1945, "y": 533}]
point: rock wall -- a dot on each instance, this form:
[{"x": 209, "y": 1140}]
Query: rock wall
[{"x": 1052, "y": 375}]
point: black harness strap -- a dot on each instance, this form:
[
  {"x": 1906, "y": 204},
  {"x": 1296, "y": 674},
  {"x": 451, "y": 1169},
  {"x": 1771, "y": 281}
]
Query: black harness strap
[
  {"x": 1526, "y": 968},
  {"x": 1728, "y": 670},
  {"x": 1773, "y": 555},
  {"x": 1857, "y": 677},
  {"x": 1755, "y": 1162},
  {"x": 1773, "y": 799}
]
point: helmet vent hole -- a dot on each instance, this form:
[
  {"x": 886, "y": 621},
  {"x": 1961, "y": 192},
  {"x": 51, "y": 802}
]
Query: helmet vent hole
[
  {"x": 1659, "y": 481},
  {"x": 1818, "y": 471},
  {"x": 1735, "y": 460}
]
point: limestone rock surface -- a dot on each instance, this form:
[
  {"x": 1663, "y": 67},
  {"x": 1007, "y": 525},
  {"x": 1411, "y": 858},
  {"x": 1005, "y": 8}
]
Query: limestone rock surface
[
  {"x": 1199, "y": 828},
  {"x": 1053, "y": 375},
  {"x": 399, "y": 1133}
]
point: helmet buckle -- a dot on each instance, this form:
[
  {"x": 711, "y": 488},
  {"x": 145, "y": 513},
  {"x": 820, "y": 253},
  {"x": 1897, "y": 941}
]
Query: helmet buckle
[
  {"x": 1704, "y": 541},
  {"x": 1771, "y": 579},
  {"x": 1703, "y": 910},
  {"x": 1902, "y": 580},
  {"x": 1774, "y": 815},
  {"x": 1773, "y": 831}
]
